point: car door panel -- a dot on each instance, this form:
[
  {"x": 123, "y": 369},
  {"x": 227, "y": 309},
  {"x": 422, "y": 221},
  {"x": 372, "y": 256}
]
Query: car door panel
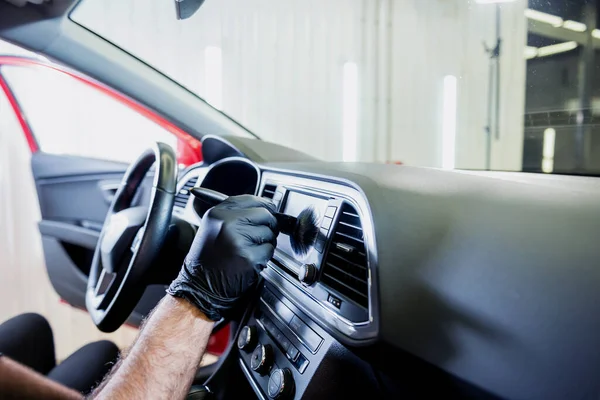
[
  {"x": 65, "y": 275},
  {"x": 72, "y": 209},
  {"x": 70, "y": 188},
  {"x": 74, "y": 195},
  {"x": 70, "y": 233}
]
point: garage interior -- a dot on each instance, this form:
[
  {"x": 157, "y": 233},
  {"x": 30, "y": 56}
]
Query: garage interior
[{"x": 457, "y": 84}]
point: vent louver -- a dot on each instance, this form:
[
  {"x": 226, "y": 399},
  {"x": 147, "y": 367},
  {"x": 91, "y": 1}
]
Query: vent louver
[
  {"x": 269, "y": 191},
  {"x": 184, "y": 194},
  {"x": 345, "y": 267}
]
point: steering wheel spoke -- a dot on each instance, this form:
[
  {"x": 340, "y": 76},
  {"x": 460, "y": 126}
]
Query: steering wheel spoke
[
  {"x": 121, "y": 228},
  {"x": 104, "y": 283}
]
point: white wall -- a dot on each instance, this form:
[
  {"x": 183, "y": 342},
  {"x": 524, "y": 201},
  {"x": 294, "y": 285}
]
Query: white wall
[
  {"x": 282, "y": 68},
  {"x": 431, "y": 39}
]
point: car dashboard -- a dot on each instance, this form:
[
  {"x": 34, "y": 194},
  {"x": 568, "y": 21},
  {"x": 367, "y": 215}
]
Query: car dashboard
[
  {"x": 422, "y": 282},
  {"x": 308, "y": 301}
]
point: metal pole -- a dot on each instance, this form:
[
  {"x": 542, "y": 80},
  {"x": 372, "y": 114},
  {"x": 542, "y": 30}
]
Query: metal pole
[
  {"x": 493, "y": 116},
  {"x": 488, "y": 128},
  {"x": 497, "y": 56},
  {"x": 586, "y": 78}
]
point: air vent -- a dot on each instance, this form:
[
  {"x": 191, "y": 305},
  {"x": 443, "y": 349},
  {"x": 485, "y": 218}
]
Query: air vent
[
  {"x": 345, "y": 267},
  {"x": 269, "y": 191},
  {"x": 184, "y": 194}
]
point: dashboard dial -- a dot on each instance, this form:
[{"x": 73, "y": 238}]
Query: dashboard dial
[
  {"x": 280, "y": 383},
  {"x": 247, "y": 338},
  {"x": 308, "y": 274},
  {"x": 262, "y": 359}
]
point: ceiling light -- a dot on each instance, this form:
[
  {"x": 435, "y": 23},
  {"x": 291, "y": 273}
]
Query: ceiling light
[
  {"x": 548, "y": 150},
  {"x": 549, "y": 139},
  {"x": 531, "y": 52},
  {"x": 553, "y": 20},
  {"x": 574, "y": 26},
  {"x": 596, "y": 33},
  {"x": 556, "y": 48}
]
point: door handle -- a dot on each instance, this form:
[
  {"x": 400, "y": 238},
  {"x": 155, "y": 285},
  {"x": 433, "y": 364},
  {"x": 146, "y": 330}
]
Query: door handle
[{"x": 109, "y": 190}]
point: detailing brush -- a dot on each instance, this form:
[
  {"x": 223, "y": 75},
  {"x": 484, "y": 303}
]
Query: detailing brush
[{"x": 302, "y": 230}]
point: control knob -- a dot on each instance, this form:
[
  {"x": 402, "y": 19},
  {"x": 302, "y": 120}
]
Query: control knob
[
  {"x": 307, "y": 274},
  {"x": 281, "y": 383},
  {"x": 262, "y": 359},
  {"x": 247, "y": 338}
]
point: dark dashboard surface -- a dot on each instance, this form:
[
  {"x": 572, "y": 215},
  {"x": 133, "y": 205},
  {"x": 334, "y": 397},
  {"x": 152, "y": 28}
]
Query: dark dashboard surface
[{"x": 492, "y": 277}]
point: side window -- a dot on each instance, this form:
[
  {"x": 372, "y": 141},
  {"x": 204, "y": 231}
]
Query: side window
[{"x": 69, "y": 117}]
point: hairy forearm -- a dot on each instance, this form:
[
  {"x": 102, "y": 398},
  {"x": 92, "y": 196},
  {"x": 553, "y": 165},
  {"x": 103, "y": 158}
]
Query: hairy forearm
[
  {"x": 20, "y": 382},
  {"x": 163, "y": 361}
]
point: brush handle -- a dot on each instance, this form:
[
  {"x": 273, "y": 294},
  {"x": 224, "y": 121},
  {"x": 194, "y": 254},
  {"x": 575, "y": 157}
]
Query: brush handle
[
  {"x": 286, "y": 223},
  {"x": 208, "y": 196}
]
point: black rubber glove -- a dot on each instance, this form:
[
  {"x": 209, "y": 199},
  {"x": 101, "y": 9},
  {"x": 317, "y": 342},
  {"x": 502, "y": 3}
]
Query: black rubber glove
[{"x": 234, "y": 241}]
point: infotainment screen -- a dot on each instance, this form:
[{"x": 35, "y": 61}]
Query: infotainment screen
[{"x": 294, "y": 204}]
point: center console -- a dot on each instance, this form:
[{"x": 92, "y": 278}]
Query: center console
[
  {"x": 280, "y": 347},
  {"x": 312, "y": 304}
]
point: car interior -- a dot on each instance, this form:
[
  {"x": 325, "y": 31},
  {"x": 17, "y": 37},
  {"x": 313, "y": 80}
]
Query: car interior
[{"x": 422, "y": 282}]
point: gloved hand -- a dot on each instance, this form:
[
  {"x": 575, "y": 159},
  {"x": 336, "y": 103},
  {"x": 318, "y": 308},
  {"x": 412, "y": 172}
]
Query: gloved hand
[{"x": 235, "y": 240}]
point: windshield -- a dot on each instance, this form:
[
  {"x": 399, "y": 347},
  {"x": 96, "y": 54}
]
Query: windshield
[{"x": 469, "y": 84}]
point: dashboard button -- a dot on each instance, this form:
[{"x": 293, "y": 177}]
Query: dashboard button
[
  {"x": 326, "y": 224},
  {"x": 268, "y": 297},
  {"x": 262, "y": 359},
  {"x": 330, "y": 211},
  {"x": 335, "y": 301},
  {"x": 284, "y": 343},
  {"x": 278, "y": 335},
  {"x": 247, "y": 338},
  {"x": 284, "y": 313},
  {"x": 292, "y": 353},
  {"x": 267, "y": 324},
  {"x": 272, "y": 329},
  {"x": 278, "y": 307},
  {"x": 301, "y": 364},
  {"x": 320, "y": 245},
  {"x": 311, "y": 340},
  {"x": 322, "y": 234}
]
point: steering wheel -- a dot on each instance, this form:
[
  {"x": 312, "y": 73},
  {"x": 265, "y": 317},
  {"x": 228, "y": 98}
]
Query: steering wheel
[{"x": 131, "y": 240}]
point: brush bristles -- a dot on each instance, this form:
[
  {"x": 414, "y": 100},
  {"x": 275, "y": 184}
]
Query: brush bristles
[{"x": 305, "y": 234}]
